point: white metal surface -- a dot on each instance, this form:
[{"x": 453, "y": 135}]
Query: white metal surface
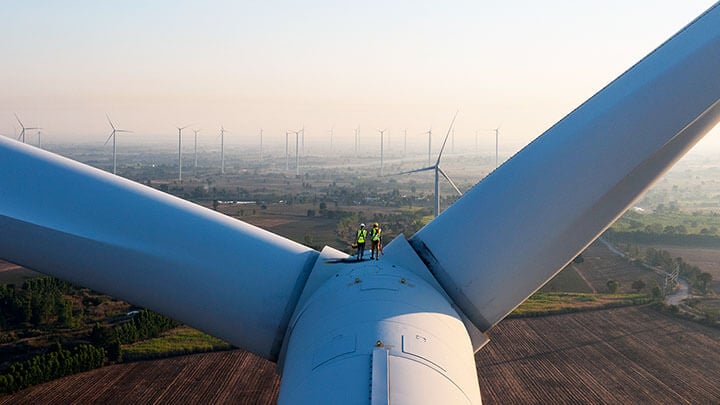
[
  {"x": 223, "y": 276},
  {"x": 351, "y": 310},
  {"x": 512, "y": 232}
]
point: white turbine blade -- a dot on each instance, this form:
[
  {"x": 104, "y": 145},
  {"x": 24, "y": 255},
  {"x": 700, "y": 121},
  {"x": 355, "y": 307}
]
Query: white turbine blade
[
  {"x": 109, "y": 137},
  {"x": 449, "y": 181},
  {"x": 228, "y": 278},
  {"x": 18, "y": 120},
  {"x": 111, "y": 124},
  {"x": 123, "y": 130},
  {"x": 517, "y": 228},
  {"x": 437, "y": 163},
  {"x": 424, "y": 169}
]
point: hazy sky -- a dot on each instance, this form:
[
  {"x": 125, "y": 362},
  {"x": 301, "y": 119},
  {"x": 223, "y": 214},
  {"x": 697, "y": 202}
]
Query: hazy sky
[{"x": 153, "y": 65}]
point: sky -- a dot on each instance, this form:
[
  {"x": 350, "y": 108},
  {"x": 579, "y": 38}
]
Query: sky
[{"x": 155, "y": 65}]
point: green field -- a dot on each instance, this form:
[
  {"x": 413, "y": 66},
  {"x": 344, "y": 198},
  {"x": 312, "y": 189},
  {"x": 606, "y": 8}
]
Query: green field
[
  {"x": 540, "y": 304},
  {"x": 181, "y": 340},
  {"x": 568, "y": 280}
]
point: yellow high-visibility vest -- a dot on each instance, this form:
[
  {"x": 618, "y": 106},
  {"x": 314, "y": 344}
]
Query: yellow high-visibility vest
[
  {"x": 362, "y": 233},
  {"x": 376, "y": 233}
]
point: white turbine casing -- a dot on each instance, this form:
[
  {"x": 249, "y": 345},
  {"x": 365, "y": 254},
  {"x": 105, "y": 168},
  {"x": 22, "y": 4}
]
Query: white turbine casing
[
  {"x": 228, "y": 278},
  {"x": 376, "y": 330},
  {"x": 512, "y": 232}
]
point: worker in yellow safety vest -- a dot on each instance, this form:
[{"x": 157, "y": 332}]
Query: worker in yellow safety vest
[
  {"x": 360, "y": 240},
  {"x": 376, "y": 241}
]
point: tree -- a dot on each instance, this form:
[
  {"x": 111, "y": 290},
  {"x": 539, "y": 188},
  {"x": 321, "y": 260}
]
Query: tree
[
  {"x": 638, "y": 285},
  {"x": 613, "y": 286},
  {"x": 704, "y": 279}
]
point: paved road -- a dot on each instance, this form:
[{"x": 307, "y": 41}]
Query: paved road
[{"x": 682, "y": 293}]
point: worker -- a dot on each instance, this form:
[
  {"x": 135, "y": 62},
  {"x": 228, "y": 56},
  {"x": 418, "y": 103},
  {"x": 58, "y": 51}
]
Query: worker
[
  {"x": 360, "y": 240},
  {"x": 376, "y": 240}
]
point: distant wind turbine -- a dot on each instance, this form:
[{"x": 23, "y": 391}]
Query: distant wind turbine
[
  {"x": 196, "y": 132},
  {"x": 297, "y": 154},
  {"x": 429, "y": 134},
  {"x": 405, "y": 144},
  {"x": 439, "y": 171},
  {"x": 287, "y": 151},
  {"x": 357, "y": 139},
  {"x": 222, "y": 149},
  {"x": 332, "y": 131},
  {"x": 39, "y": 140},
  {"x": 382, "y": 143},
  {"x": 180, "y": 151},
  {"x": 113, "y": 135},
  {"x": 261, "y": 145},
  {"x": 497, "y": 132},
  {"x": 22, "y": 132}
]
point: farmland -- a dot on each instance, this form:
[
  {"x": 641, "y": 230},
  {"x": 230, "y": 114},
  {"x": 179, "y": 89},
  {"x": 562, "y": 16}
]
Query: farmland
[{"x": 622, "y": 355}]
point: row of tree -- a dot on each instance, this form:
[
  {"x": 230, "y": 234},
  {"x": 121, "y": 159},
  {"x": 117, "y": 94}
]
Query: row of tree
[
  {"x": 45, "y": 367},
  {"x": 40, "y": 301},
  {"x": 144, "y": 325},
  {"x": 670, "y": 235},
  {"x": 692, "y": 274}
]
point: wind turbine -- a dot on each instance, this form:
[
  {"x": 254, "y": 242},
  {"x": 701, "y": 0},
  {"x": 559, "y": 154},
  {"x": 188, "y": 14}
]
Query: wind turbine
[
  {"x": 429, "y": 134},
  {"x": 382, "y": 143},
  {"x": 287, "y": 151},
  {"x": 113, "y": 135},
  {"x": 39, "y": 140},
  {"x": 297, "y": 154},
  {"x": 222, "y": 149},
  {"x": 22, "y": 132},
  {"x": 357, "y": 139},
  {"x": 438, "y": 171},
  {"x": 261, "y": 145},
  {"x": 405, "y": 144},
  {"x": 196, "y": 132},
  {"x": 400, "y": 330},
  {"x": 180, "y": 151},
  {"x": 497, "y": 135},
  {"x": 303, "y": 140},
  {"x": 332, "y": 132}
]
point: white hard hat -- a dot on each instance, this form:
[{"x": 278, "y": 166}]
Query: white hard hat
[{"x": 362, "y": 225}]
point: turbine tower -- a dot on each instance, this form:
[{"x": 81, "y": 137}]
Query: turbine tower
[
  {"x": 405, "y": 144},
  {"x": 196, "y": 132},
  {"x": 261, "y": 145},
  {"x": 222, "y": 149},
  {"x": 24, "y": 129},
  {"x": 287, "y": 151},
  {"x": 382, "y": 144},
  {"x": 297, "y": 154},
  {"x": 180, "y": 151},
  {"x": 113, "y": 135},
  {"x": 429, "y": 134},
  {"x": 357, "y": 139},
  {"x": 400, "y": 330},
  {"x": 438, "y": 171},
  {"x": 497, "y": 135}
]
